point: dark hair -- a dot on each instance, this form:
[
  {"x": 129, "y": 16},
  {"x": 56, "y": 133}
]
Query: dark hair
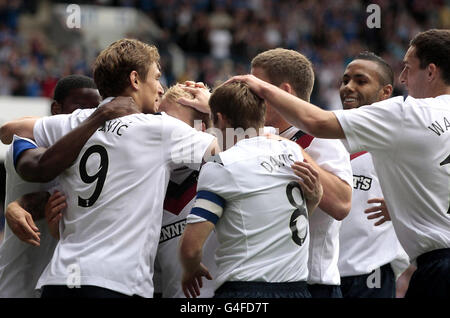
[
  {"x": 387, "y": 75},
  {"x": 433, "y": 46},
  {"x": 114, "y": 64},
  {"x": 66, "y": 84},
  {"x": 239, "y": 104}
]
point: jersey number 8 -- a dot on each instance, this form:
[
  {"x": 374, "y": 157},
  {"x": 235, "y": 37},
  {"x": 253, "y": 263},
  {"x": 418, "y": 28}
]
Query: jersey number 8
[{"x": 299, "y": 218}]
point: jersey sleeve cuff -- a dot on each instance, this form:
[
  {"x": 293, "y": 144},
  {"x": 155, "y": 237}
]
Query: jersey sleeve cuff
[{"x": 19, "y": 146}]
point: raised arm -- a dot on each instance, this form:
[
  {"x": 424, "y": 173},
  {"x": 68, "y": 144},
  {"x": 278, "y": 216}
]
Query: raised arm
[
  {"x": 21, "y": 127},
  {"x": 308, "y": 117},
  {"x": 43, "y": 165}
]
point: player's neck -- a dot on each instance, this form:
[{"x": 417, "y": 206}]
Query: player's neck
[
  {"x": 281, "y": 125},
  {"x": 440, "y": 89}
]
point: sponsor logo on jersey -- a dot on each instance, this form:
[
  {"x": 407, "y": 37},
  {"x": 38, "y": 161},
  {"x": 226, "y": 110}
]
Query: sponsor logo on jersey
[
  {"x": 172, "y": 230},
  {"x": 362, "y": 182}
]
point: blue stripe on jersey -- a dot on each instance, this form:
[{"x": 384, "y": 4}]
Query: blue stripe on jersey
[
  {"x": 210, "y": 196},
  {"x": 19, "y": 146},
  {"x": 205, "y": 214}
]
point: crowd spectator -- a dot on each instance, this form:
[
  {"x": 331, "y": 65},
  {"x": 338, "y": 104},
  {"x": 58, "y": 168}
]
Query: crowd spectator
[{"x": 220, "y": 37}]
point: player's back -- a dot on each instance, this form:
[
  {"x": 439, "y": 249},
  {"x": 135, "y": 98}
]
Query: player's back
[
  {"x": 115, "y": 192},
  {"x": 263, "y": 232}
]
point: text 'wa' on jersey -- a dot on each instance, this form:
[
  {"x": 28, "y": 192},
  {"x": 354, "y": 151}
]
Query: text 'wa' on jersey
[
  {"x": 21, "y": 264},
  {"x": 179, "y": 200},
  {"x": 115, "y": 192},
  {"x": 253, "y": 197},
  {"x": 363, "y": 246},
  {"x": 331, "y": 156},
  {"x": 409, "y": 142}
]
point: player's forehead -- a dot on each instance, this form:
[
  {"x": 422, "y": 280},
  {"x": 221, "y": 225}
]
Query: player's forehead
[
  {"x": 410, "y": 56},
  {"x": 363, "y": 68},
  {"x": 154, "y": 69},
  {"x": 82, "y": 94}
]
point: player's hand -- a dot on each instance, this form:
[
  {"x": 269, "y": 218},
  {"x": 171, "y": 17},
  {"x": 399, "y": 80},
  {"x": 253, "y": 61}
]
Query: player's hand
[
  {"x": 53, "y": 208},
  {"x": 118, "y": 107},
  {"x": 256, "y": 85},
  {"x": 201, "y": 97},
  {"x": 191, "y": 282},
  {"x": 310, "y": 183},
  {"x": 21, "y": 224},
  {"x": 378, "y": 211}
]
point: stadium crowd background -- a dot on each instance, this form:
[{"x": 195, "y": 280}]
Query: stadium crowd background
[{"x": 219, "y": 38}]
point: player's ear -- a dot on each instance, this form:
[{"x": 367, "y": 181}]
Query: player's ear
[
  {"x": 432, "y": 71},
  {"x": 55, "y": 108},
  {"x": 221, "y": 121},
  {"x": 134, "y": 80},
  {"x": 287, "y": 88},
  {"x": 387, "y": 91}
]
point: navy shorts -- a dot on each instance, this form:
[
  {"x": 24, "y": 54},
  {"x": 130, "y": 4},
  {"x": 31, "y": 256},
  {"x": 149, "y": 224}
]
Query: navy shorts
[
  {"x": 62, "y": 291},
  {"x": 325, "y": 291},
  {"x": 358, "y": 287},
  {"x": 262, "y": 290},
  {"x": 432, "y": 277}
]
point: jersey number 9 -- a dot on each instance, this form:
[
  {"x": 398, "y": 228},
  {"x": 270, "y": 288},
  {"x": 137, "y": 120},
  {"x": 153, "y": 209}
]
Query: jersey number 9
[{"x": 100, "y": 176}]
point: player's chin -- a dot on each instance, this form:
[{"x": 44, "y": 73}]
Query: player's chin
[{"x": 350, "y": 104}]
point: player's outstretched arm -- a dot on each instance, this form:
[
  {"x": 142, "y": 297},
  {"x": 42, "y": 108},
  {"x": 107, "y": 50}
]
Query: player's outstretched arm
[
  {"x": 22, "y": 127},
  {"x": 308, "y": 117},
  {"x": 43, "y": 165},
  {"x": 190, "y": 253}
]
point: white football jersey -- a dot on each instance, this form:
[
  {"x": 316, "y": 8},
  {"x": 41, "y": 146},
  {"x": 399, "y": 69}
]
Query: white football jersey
[
  {"x": 21, "y": 264},
  {"x": 252, "y": 196},
  {"x": 363, "y": 246},
  {"x": 410, "y": 145},
  {"x": 331, "y": 156},
  {"x": 115, "y": 192},
  {"x": 177, "y": 205}
]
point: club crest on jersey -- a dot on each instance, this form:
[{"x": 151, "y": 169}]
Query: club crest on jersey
[{"x": 362, "y": 182}]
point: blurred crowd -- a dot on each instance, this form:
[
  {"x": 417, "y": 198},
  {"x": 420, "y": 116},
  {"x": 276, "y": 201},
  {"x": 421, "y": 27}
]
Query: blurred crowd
[{"x": 220, "y": 37}]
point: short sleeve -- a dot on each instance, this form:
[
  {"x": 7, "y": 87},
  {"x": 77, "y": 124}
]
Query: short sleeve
[
  {"x": 47, "y": 130},
  {"x": 373, "y": 127},
  {"x": 331, "y": 155},
  {"x": 21, "y": 144},
  {"x": 215, "y": 186},
  {"x": 182, "y": 144}
]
